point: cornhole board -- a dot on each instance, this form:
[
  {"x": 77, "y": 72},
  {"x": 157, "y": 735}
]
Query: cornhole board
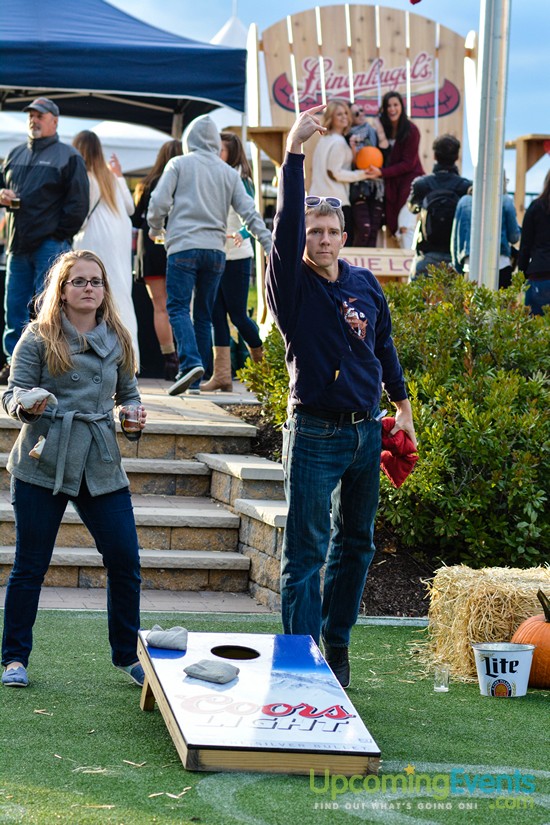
[{"x": 284, "y": 713}]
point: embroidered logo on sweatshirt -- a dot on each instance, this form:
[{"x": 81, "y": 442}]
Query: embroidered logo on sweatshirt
[{"x": 354, "y": 318}]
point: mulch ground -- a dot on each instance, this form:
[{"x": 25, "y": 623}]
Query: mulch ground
[{"x": 396, "y": 581}]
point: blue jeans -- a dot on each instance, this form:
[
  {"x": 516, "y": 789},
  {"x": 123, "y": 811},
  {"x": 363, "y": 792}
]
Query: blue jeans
[
  {"x": 25, "y": 279},
  {"x": 422, "y": 261},
  {"x": 537, "y": 295},
  {"x": 232, "y": 300},
  {"x": 110, "y": 520},
  {"x": 328, "y": 466},
  {"x": 195, "y": 274}
]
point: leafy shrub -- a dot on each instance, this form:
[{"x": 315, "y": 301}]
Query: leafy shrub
[
  {"x": 268, "y": 378},
  {"x": 478, "y": 373}
]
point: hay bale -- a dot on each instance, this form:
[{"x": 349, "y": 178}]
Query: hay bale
[{"x": 485, "y": 605}]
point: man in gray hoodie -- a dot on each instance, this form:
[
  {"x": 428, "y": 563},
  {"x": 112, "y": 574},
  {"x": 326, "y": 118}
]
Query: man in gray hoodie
[{"x": 193, "y": 196}]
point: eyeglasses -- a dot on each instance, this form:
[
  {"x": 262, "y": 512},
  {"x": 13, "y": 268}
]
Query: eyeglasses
[
  {"x": 357, "y": 112},
  {"x": 315, "y": 200},
  {"x": 80, "y": 283}
]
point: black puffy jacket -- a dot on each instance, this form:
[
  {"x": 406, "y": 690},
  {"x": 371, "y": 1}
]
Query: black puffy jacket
[{"x": 52, "y": 183}]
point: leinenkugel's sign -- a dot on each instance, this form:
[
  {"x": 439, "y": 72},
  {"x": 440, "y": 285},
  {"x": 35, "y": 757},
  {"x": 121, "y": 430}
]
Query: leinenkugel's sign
[
  {"x": 361, "y": 52},
  {"x": 366, "y": 85},
  {"x": 358, "y": 53}
]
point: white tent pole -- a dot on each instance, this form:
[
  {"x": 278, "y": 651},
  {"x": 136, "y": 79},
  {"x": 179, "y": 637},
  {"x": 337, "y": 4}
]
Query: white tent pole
[{"x": 487, "y": 197}]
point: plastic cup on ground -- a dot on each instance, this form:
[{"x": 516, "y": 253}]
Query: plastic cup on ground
[{"x": 441, "y": 679}]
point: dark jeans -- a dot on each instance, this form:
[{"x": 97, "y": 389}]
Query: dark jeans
[
  {"x": 193, "y": 274},
  {"x": 422, "y": 261},
  {"x": 504, "y": 277},
  {"x": 367, "y": 220},
  {"x": 327, "y": 467},
  {"x": 348, "y": 225},
  {"x": 232, "y": 300},
  {"x": 110, "y": 520},
  {"x": 24, "y": 279},
  {"x": 537, "y": 296}
]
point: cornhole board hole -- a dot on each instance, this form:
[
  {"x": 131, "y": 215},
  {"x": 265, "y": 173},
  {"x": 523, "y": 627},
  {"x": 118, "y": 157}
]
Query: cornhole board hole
[{"x": 284, "y": 713}]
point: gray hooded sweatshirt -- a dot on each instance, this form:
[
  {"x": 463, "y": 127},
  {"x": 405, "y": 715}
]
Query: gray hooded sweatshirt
[{"x": 196, "y": 191}]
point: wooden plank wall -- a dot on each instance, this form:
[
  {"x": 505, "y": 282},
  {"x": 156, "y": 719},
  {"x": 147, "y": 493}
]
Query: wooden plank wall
[{"x": 388, "y": 50}]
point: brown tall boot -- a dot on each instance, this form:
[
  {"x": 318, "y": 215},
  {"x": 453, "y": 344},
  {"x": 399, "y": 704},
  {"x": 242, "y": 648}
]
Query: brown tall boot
[
  {"x": 221, "y": 379},
  {"x": 257, "y": 353}
]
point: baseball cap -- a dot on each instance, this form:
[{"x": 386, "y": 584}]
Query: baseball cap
[{"x": 43, "y": 104}]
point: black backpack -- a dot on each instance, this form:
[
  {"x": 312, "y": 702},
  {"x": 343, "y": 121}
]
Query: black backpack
[{"x": 436, "y": 217}]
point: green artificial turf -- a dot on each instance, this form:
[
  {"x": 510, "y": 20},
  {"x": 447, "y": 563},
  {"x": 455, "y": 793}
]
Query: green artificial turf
[{"x": 76, "y": 748}]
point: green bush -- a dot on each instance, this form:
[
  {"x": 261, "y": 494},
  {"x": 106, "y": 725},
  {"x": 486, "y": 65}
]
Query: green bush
[
  {"x": 478, "y": 373},
  {"x": 268, "y": 378}
]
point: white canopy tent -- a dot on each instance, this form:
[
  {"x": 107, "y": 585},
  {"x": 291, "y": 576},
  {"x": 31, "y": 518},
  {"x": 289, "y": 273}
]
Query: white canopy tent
[{"x": 136, "y": 146}]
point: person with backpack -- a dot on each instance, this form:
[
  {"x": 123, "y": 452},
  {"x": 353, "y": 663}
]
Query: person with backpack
[{"x": 435, "y": 198}]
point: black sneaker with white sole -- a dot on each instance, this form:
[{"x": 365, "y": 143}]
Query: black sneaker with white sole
[
  {"x": 185, "y": 379},
  {"x": 337, "y": 658}
]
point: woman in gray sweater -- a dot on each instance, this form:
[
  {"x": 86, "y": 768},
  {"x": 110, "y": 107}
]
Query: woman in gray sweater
[{"x": 69, "y": 369}]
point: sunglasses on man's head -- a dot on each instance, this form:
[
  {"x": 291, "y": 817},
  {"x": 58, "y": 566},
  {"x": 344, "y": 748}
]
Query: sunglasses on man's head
[{"x": 315, "y": 200}]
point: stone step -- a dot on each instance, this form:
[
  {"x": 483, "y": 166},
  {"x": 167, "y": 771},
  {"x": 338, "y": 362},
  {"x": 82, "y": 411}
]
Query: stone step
[
  {"x": 243, "y": 477},
  {"x": 261, "y": 541},
  {"x": 151, "y": 476},
  {"x": 160, "y": 570},
  {"x": 163, "y": 523}
]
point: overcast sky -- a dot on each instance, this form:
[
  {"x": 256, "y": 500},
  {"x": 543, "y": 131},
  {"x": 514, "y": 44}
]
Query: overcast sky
[{"x": 527, "y": 111}]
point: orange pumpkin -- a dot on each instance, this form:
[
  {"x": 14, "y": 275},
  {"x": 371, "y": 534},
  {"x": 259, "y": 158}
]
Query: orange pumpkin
[
  {"x": 536, "y": 631},
  {"x": 369, "y": 156}
]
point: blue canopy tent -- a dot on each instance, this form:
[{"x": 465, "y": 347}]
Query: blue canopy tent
[{"x": 97, "y": 62}]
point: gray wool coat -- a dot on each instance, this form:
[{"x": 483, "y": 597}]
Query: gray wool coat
[{"x": 80, "y": 430}]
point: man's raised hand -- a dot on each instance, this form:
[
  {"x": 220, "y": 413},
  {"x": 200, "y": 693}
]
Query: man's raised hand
[{"x": 304, "y": 127}]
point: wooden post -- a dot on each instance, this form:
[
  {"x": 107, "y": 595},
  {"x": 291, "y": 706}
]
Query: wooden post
[
  {"x": 529, "y": 150},
  {"x": 177, "y": 125}
]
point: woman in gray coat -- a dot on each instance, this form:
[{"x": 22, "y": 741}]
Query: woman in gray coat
[{"x": 69, "y": 369}]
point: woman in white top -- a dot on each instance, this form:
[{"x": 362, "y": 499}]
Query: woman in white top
[
  {"x": 107, "y": 231},
  {"x": 332, "y": 161}
]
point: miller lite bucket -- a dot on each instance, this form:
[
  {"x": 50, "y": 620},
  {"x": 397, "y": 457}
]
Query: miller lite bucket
[{"x": 503, "y": 668}]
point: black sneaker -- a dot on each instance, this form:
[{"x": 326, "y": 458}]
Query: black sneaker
[
  {"x": 337, "y": 658},
  {"x": 185, "y": 379},
  {"x": 4, "y": 374}
]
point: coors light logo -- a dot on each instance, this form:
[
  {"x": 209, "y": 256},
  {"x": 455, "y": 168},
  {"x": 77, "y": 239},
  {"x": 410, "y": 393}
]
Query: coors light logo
[{"x": 366, "y": 84}]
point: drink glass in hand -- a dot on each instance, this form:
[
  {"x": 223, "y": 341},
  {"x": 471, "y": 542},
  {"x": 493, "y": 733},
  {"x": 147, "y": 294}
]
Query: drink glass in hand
[{"x": 130, "y": 418}]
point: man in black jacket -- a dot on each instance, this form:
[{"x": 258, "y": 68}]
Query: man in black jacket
[
  {"x": 47, "y": 198},
  {"x": 435, "y": 197}
]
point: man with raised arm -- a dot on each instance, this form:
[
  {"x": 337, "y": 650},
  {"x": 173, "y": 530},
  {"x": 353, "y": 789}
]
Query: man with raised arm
[{"x": 339, "y": 352}]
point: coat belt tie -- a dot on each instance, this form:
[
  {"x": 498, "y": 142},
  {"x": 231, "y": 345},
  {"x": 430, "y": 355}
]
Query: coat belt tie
[{"x": 67, "y": 418}]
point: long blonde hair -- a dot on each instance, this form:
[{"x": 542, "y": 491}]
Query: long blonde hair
[
  {"x": 89, "y": 146},
  {"x": 48, "y": 324},
  {"x": 328, "y": 114}
]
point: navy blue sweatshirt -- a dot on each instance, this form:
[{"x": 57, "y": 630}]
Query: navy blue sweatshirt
[{"x": 339, "y": 348}]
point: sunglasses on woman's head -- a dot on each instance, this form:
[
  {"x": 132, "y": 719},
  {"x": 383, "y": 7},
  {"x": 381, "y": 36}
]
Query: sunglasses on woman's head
[{"x": 315, "y": 200}]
